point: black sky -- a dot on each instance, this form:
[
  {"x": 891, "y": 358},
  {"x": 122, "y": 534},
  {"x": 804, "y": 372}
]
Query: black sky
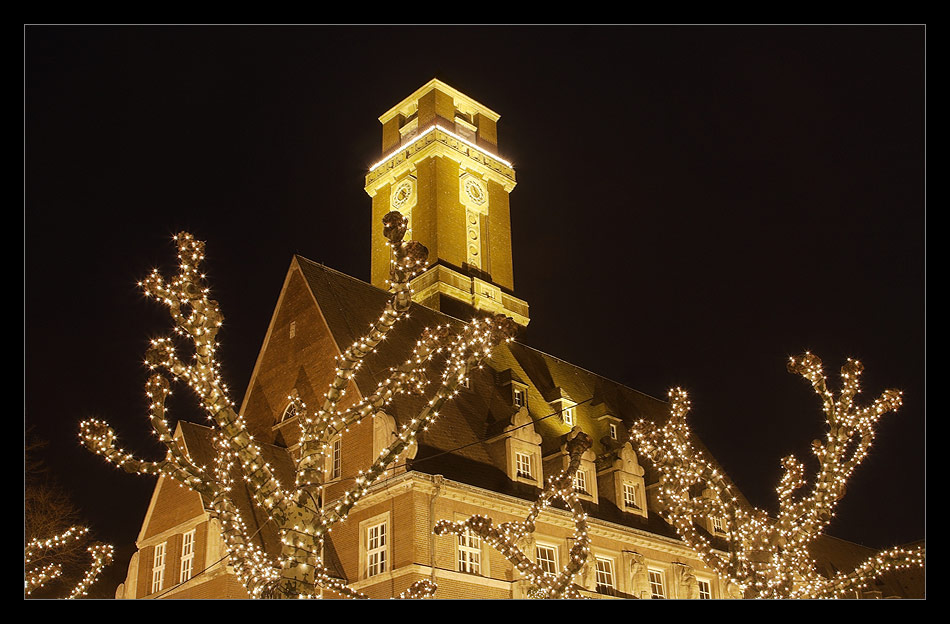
[{"x": 694, "y": 205}]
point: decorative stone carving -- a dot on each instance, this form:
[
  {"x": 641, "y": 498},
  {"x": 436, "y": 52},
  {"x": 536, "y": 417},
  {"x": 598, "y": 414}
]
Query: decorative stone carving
[
  {"x": 686, "y": 584},
  {"x": 638, "y": 579}
]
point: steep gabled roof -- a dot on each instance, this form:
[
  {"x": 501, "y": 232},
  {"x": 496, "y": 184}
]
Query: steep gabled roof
[{"x": 470, "y": 421}]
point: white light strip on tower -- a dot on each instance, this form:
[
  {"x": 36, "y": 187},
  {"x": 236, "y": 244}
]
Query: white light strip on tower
[{"x": 448, "y": 132}]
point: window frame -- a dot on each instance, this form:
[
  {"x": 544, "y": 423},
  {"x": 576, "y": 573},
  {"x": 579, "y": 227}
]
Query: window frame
[
  {"x": 290, "y": 412},
  {"x": 581, "y": 482},
  {"x": 635, "y": 489},
  {"x": 519, "y": 455},
  {"x": 609, "y": 588},
  {"x": 700, "y": 582},
  {"x": 186, "y": 566},
  {"x": 159, "y": 556},
  {"x": 568, "y": 415},
  {"x": 336, "y": 458},
  {"x": 519, "y": 398},
  {"x": 542, "y": 563},
  {"x": 469, "y": 556},
  {"x": 377, "y": 566},
  {"x": 660, "y": 582}
]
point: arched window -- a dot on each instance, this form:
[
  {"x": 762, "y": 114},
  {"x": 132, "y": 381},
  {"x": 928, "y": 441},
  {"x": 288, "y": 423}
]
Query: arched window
[{"x": 289, "y": 412}]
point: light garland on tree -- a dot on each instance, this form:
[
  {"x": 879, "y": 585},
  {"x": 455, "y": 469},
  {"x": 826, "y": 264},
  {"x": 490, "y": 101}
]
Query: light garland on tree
[
  {"x": 506, "y": 536},
  {"x": 39, "y": 576},
  {"x": 298, "y": 511},
  {"x": 768, "y": 557},
  {"x": 101, "y": 557}
]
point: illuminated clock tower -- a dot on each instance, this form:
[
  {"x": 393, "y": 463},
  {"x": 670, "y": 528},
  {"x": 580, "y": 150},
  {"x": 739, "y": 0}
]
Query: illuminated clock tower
[{"x": 440, "y": 167}]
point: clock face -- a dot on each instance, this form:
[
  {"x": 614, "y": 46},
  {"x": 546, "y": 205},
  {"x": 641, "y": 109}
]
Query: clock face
[
  {"x": 475, "y": 191},
  {"x": 401, "y": 193}
]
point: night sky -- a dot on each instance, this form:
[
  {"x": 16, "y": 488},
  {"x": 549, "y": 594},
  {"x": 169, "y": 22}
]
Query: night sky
[{"x": 694, "y": 205}]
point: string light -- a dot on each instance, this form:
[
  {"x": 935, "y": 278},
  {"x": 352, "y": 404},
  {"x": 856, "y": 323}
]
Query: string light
[
  {"x": 302, "y": 522},
  {"x": 39, "y": 576},
  {"x": 768, "y": 557}
]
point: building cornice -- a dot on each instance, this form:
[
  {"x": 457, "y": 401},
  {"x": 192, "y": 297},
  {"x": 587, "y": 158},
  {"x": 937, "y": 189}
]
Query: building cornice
[
  {"x": 511, "y": 505},
  {"x": 439, "y": 141}
]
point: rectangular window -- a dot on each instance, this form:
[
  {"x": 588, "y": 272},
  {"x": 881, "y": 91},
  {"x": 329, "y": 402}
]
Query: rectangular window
[
  {"x": 547, "y": 558},
  {"x": 523, "y": 465},
  {"x": 630, "y": 498},
  {"x": 518, "y": 397},
  {"x": 605, "y": 576},
  {"x": 293, "y": 328},
  {"x": 470, "y": 552},
  {"x": 376, "y": 549},
  {"x": 567, "y": 415},
  {"x": 187, "y": 556},
  {"x": 158, "y": 567},
  {"x": 704, "y": 590},
  {"x": 336, "y": 461},
  {"x": 718, "y": 525},
  {"x": 580, "y": 481},
  {"x": 656, "y": 584},
  {"x": 612, "y": 430}
]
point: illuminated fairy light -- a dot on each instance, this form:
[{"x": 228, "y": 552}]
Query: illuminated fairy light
[
  {"x": 39, "y": 576},
  {"x": 296, "y": 510},
  {"x": 505, "y": 537},
  {"x": 768, "y": 557}
]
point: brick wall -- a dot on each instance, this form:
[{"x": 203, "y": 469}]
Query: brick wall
[
  {"x": 175, "y": 504},
  {"x": 303, "y": 363}
]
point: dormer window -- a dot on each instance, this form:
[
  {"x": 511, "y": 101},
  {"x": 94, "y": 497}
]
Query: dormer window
[
  {"x": 567, "y": 415},
  {"x": 565, "y": 407},
  {"x": 523, "y": 450},
  {"x": 584, "y": 478},
  {"x": 523, "y": 465},
  {"x": 631, "y": 495},
  {"x": 612, "y": 431},
  {"x": 518, "y": 397},
  {"x": 715, "y": 524},
  {"x": 580, "y": 481},
  {"x": 625, "y": 476}
]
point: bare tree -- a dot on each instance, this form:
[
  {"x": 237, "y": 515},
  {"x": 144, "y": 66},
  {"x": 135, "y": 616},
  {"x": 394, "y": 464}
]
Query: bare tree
[
  {"x": 47, "y": 507},
  {"x": 55, "y": 547},
  {"x": 297, "y": 510},
  {"x": 767, "y": 556}
]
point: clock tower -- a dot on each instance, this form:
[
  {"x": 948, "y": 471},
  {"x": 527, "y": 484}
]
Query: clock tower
[{"x": 440, "y": 168}]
